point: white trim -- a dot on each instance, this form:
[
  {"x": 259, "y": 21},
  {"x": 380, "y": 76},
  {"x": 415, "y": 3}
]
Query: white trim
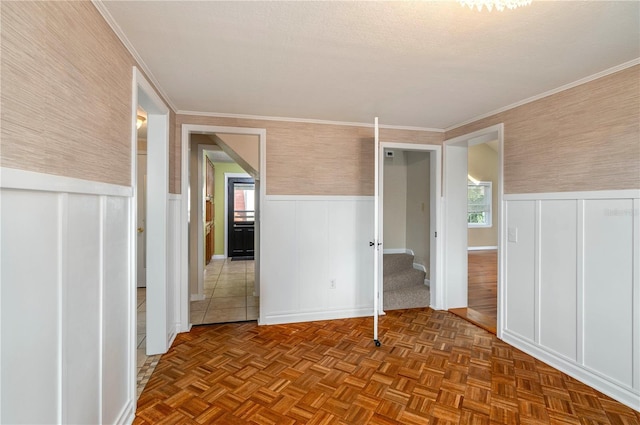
[
  {"x": 420, "y": 267},
  {"x": 280, "y": 318},
  {"x": 219, "y": 257},
  {"x": 63, "y": 254},
  {"x": 197, "y": 297},
  {"x": 537, "y": 271},
  {"x": 542, "y": 95},
  {"x": 584, "y": 374},
  {"x": 306, "y": 120},
  {"x": 636, "y": 295},
  {"x": 158, "y": 117},
  {"x": 129, "y": 46},
  {"x": 175, "y": 196},
  {"x": 397, "y": 251},
  {"x": 132, "y": 353},
  {"x": 482, "y": 248},
  {"x": 12, "y": 178},
  {"x": 580, "y": 232},
  {"x": 601, "y": 194},
  {"x": 127, "y": 414},
  {"x": 320, "y": 198},
  {"x": 227, "y": 176}
]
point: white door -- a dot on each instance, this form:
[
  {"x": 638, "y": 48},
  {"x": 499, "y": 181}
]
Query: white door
[
  {"x": 455, "y": 225},
  {"x": 376, "y": 243},
  {"x": 142, "y": 221}
]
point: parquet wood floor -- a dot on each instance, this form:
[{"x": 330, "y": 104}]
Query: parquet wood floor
[
  {"x": 482, "y": 290},
  {"x": 483, "y": 282},
  {"x": 432, "y": 368}
]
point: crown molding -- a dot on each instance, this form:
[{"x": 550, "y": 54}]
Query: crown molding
[
  {"x": 576, "y": 83},
  {"x": 307, "y": 121},
  {"x": 127, "y": 44}
]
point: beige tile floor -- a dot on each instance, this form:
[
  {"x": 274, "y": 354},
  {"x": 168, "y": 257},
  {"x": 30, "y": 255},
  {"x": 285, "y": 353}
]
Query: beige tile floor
[{"x": 229, "y": 292}]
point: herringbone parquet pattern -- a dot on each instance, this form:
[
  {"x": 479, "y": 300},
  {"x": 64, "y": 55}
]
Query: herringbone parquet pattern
[{"x": 432, "y": 368}]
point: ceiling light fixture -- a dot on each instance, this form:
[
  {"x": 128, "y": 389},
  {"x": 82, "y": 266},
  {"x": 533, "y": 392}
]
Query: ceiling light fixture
[
  {"x": 140, "y": 121},
  {"x": 498, "y": 4}
]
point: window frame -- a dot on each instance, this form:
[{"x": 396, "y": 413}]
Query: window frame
[{"x": 488, "y": 196}]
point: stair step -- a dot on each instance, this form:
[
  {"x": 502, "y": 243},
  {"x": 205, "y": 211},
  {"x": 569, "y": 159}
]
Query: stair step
[
  {"x": 403, "y": 279},
  {"x": 394, "y": 263}
]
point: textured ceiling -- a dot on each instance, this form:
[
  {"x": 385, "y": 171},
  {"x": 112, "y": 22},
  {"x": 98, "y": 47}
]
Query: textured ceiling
[{"x": 426, "y": 64}]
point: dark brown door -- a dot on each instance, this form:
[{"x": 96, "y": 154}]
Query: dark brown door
[{"x": 241, "y": 218}]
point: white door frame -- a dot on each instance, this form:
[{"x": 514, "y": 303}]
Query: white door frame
[
  {"x": 186, "y": 131},
  {"x": 228, "y": 176},
  {"x": 435, "y": 246},
  {"x": 455, "y": 159},
  {"x": 197, "y": 232},
  {"x": 158, "y": 335}
]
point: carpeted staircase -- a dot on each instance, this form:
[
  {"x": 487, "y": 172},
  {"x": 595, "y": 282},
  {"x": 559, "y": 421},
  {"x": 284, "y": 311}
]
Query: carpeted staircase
[{"x": 403, "y": 286}]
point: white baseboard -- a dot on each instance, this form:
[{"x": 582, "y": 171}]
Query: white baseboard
[
  {"x": 614, "y": 390},
  {"x": 482, "y": 248},
  {"x": 128, "y": 414},
  {"x": 219, "y": 257},
  {"x": 418, "y": 266},
  {"x": 197, "y": 297},
  {"x": 397, "y": 251},
  {"x": 277, "y": 319},
  {"x": 427, "y": 283}
]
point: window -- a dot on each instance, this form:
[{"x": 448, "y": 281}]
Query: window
[{"x": 479, "y": 204}]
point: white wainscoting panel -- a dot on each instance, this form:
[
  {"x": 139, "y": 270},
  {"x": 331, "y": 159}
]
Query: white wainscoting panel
[
  {"x": 608, "y": 288},
  {"x": 576, "y": 263},
  {"x": 309, "y": 242},
  {"x": 350, "y": 258},
  {"x": 279, "y": 292},
  {"x": 116, "y": 320},
  {"x": 81, "y": 299},
  {"x": 30, "y": 368},
  {"x": 312, "y": 230},
  {"x": 520, "y": 268},
  {"x": 67, "y": 354},
  {"x": 558, "y": 265}
]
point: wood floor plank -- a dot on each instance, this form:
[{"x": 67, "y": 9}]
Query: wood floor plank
[{"x": 432, "y": 367}]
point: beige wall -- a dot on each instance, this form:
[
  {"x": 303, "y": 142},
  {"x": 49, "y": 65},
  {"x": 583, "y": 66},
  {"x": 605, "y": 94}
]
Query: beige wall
[
  {"x": 313, "y": 159},
  {"x": 418, "y": 206},
  {"x": 66, "y": 92},
  {"x": 584, "y": 138},
  {"x": 483, "y": 166},
  {"x": 246, "y": 150},
  {"x": 395, "y": 201}
]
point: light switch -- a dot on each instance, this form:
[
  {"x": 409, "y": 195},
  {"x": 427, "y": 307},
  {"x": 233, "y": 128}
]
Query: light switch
[{"x": 512, "y": 234}]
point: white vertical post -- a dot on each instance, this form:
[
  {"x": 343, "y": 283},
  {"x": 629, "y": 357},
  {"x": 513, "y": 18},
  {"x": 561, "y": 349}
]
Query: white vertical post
[{"x": 376, "y": 232}]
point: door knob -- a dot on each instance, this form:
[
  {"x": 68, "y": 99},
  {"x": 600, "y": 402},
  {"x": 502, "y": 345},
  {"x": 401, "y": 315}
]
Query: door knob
[{"x": 140, "y": 229}]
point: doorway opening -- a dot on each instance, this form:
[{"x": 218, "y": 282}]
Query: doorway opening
[
  {"x": 152, "y": 327},
  {"x": 473, "y": 223},
  {"x": 241, "y": 218},
  {"x": 221, "y": 290},
  {"x": 409, "y": 220}
]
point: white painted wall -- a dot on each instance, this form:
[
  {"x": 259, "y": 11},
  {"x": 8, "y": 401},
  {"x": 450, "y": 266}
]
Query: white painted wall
[
  {"x": 395, "y": 201},
  {"x": 573, "y": 287},
  {"x": 418, "y": 207},
  {"x": 67, "y": 352},
  {"x": 310, "y": 241}
]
